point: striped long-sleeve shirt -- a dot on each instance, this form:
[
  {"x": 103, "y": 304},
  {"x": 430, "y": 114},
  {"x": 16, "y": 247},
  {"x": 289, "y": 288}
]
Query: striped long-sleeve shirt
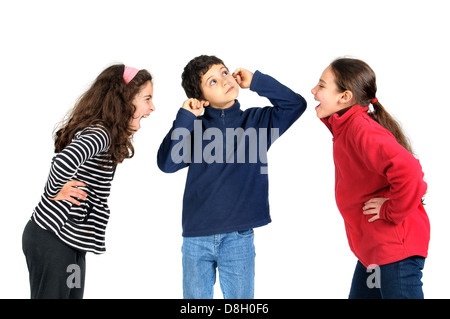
[{"x": 84, "y": 159}]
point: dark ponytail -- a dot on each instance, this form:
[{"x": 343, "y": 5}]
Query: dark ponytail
[
  {"x": 356, "y": 76},
  {"x": 380, "y": 115}
]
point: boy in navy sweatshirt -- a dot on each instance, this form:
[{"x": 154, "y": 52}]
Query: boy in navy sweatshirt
[{"x": 226, "y": 193}]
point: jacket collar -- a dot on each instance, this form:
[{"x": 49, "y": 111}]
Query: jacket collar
[
  {"x": 211, "y": 112},
  {"x": 336, "y": 123}
]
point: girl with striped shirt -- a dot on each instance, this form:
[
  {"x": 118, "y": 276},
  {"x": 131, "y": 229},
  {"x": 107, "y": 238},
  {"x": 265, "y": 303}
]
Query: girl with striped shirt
[{"x": 73, "y": 212}]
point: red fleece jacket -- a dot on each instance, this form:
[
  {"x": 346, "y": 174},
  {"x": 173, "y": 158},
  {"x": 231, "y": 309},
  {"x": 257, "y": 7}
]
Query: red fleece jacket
[{"x": 369, "y": 162}]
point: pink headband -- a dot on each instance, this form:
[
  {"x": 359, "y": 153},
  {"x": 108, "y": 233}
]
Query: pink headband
[{"x": 129, "y": 73}]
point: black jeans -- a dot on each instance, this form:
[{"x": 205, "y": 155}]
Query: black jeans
[{"x": 57, "y": 271}]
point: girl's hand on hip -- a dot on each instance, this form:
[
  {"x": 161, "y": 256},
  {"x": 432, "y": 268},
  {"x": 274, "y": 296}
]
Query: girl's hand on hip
[
  {"x": 71, "y": 192},
  {"x": 372, "y": 207}
]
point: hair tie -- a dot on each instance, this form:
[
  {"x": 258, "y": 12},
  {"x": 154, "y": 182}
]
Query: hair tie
[
  {"x": 129, "y": 73},
  {"x": 375, "y": 100}
]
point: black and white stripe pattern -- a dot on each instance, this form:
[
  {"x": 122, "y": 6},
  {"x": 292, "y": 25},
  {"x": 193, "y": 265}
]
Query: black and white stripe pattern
[{"x": 84, "y": 159}]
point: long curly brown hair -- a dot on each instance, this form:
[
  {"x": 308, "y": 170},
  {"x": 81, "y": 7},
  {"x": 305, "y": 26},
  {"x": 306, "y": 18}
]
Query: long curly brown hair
[{"x": 108, "y": 102}]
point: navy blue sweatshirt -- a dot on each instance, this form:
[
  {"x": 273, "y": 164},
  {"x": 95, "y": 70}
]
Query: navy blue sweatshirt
[{"x": 225, "y": 149}]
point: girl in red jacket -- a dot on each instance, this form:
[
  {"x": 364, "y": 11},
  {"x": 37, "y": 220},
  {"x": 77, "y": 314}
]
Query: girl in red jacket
[{"x": 379, "y": 184}]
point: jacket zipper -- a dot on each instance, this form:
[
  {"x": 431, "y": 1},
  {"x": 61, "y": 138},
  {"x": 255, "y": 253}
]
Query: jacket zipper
[{"x": 222, "y": 115}]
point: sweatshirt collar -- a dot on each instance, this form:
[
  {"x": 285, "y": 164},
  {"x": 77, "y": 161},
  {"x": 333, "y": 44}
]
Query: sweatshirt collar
[
  {"x": 337, "y": 122},
  {"x": 211, "y": 112}
]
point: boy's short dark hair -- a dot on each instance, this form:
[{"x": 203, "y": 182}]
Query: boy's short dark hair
[{"x": 192, "y": 75}]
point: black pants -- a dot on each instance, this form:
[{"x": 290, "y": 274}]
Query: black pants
[{"x": 57, "y": 271}]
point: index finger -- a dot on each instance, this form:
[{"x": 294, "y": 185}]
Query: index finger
[
  {"x": 374, "y": 218},
  {"x": 73, "y": 201}
]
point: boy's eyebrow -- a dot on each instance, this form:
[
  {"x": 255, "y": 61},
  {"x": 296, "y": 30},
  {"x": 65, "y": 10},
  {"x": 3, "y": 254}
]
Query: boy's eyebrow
[
  {"x": 322, "y": 81},
  {"x": 209, "y": 78}
]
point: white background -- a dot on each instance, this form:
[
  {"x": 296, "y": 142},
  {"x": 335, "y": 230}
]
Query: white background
[{"x": 51, "y": 51}]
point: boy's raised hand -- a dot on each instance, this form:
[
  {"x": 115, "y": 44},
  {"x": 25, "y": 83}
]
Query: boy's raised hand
[
  {"x": 195, "y": 106},
  {"x": 243, "y": 77}
]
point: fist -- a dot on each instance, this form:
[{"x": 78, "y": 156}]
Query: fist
[
  {"x": 243, "y": 77},
  {"x": 195, "y": 106}
]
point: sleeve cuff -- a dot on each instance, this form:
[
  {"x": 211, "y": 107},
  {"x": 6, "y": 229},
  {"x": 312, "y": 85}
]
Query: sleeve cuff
[{"x": 255, "y": 80}]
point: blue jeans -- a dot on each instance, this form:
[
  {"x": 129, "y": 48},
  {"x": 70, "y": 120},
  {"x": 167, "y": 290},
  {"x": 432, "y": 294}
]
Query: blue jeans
[
  {"x": 233, "y": 254},
  {"x": 398, "y": 280}
]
